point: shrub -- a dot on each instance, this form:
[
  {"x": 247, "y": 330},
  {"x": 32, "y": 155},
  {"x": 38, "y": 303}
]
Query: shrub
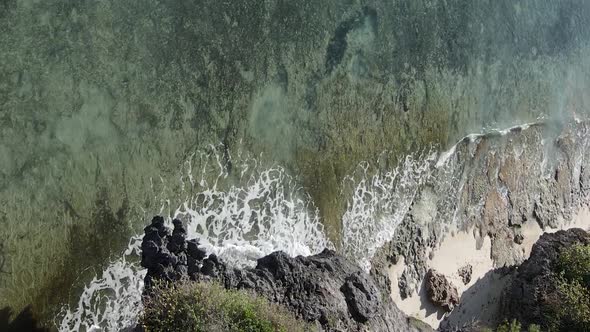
[
  {"x": 574, "y": 308},
  {"x": 193, "y": 306},
  {"x": 574, "y": 264},
  {"x": 515, "y": 326},
  {"x": 570, "y": 304}
]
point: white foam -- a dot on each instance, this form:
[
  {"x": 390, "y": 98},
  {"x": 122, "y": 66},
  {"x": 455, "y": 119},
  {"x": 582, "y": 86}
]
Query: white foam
[
  {"x": 111, "y": 302},
  {"x": 379, "y": 204},
  {"x": 444, "y": 156},
  {"x": 244, "y": 223},
  {"x": 265, "y": 212},
  {"x": 261, "y": 211}
]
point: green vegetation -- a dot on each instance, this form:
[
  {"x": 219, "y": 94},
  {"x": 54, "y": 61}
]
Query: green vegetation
[
  {"x": 574, "y": 264},
  {"x": 569, "y": 305},
  {"x": 515, "y": 326},
  {"x": 207, "y": 307},
  {"x": 85, "y": 107},
  {"x": 566, "y": 304}
]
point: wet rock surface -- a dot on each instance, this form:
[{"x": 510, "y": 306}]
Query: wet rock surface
[
  {"x": 325, "y": 288},
  {"x": 526, "y": 299},
  {"x": 440, "y": 291},
  {"x": 23, "y": 321}
]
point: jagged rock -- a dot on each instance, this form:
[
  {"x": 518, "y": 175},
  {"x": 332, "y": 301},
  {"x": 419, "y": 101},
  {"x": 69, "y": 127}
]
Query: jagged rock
[
  {"x": 440, "y": 291},
  {"x": 465, "y": 273},
  {"x": 525, "y": 299},
  {"x": 361, "y": 297},
  {"x": 167, "y": 255},
  {"x": 325, "y": 288},
  {"x": 411, "y": 243},
  {"x": 522, "y": 194}
]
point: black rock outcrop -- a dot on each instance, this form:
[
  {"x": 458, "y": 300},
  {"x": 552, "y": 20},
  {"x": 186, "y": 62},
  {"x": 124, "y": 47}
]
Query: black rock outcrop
[
  {"x": 526, "y": 299},
  {"x": 167, "y": 255},
  {"x": 325, "y": 288}
]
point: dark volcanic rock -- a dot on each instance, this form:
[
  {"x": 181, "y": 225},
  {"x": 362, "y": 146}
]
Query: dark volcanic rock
[
  {"x": 167, "y": 255},
  {"x": 325, "y": 288},
  {"x": 465, "y": 273},
  {"x": 440, "y": 291},
  {"x": 526, "y": 299},
  {"x": 518, "y": 239},
  {"x": 24, "y": 321},
  {"x": 362, "y": 301}
]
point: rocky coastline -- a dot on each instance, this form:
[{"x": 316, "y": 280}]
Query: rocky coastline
[
  {"x": 479, "y": 214},
  {"x": 528, "y": 295},
  {"x": 334, "y": 294},
  {"x": 326, "y": 289}
]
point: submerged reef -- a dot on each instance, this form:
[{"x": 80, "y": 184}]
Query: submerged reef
[{"x": 101, "y": 102}]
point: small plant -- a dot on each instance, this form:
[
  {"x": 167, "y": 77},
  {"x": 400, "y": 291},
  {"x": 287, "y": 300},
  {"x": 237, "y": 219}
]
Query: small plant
[
  {"x": 515, "y": 326},
  {"x": 196, "y": 307},
  {"x": 534, "y": 328},
  {"x": 512, "y": 326}
]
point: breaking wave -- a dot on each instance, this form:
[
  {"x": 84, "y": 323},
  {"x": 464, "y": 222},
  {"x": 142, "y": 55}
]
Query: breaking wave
[
  {"x": 267, "y": 211},
  {"x": 378, "y": 205}
]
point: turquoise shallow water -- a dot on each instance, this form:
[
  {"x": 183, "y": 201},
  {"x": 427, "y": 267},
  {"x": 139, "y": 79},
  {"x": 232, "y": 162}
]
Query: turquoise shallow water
[{"x": 103, "y": 105}]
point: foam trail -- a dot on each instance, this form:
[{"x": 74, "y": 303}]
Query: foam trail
[
  {"x": 244, "y": 223},
  {"x": 111, "y": 302},
  {"x": 266, "y": 212},
  {"x": 379, "y": 204},
  {"x": 444, "y": 156}
]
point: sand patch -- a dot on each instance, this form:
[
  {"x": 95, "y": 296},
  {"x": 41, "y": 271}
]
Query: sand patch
[
  {"x": 531, "y": 230},
  {"x": 455, "y": 252},
  {"x": 580, "y": 220},
  {"x": 480, "y": 298}
]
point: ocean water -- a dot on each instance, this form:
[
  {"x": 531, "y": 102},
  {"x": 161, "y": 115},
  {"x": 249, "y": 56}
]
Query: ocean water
[
  {"x": 263, "y": 125},
  {"x": 270, "y": 212}
]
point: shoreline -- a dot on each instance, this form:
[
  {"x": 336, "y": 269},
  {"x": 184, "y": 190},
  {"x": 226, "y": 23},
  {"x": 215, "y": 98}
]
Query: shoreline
[{"x": 481, "y": 296}]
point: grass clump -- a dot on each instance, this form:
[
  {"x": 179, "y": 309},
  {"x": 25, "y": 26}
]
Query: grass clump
[
  {"x": 196, "y": 307},
  {"x": 515, "y": 326}
]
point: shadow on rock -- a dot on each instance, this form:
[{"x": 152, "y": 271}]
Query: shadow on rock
[
  {"x": 23, "y": 322},
  {"x": 528, "y": 297},
  {"x": 481, "y": 303},
  {"x": 426, "y": 302}
]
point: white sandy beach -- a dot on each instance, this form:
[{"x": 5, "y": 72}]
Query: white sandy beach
[{"x": 479, "y": 299}]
